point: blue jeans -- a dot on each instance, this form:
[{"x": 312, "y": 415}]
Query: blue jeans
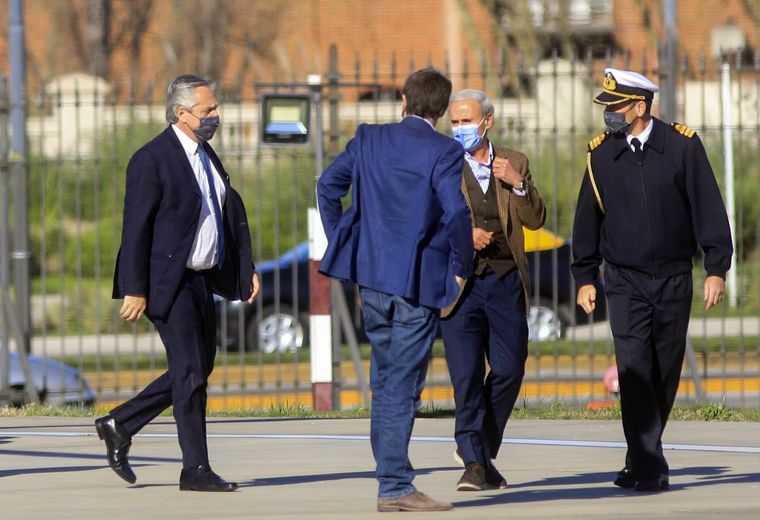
[{"x": 401, "y": 335}]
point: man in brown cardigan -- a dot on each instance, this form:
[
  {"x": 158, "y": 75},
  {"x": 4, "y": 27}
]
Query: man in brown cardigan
[{"x": 488, "y": 322}]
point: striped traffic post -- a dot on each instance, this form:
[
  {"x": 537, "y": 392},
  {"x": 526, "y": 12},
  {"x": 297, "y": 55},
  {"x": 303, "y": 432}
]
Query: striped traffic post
[{"x": 320, "y": 322}]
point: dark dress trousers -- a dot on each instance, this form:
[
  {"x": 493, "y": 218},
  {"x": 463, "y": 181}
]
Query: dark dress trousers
[{"x": 161, "y": 209}]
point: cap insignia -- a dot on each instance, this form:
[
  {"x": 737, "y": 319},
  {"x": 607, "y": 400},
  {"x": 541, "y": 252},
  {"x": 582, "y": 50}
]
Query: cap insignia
[{"x": 609, "y": 82}]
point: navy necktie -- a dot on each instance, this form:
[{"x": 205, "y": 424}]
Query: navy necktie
[
  {"x": 217, "y": 207},
  {"x": 638, "y": 153}
]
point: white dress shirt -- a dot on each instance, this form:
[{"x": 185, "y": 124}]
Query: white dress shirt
[
  {"x": 482, "y": 172},
  {"x": 642, "y": 137},
  {"x": 203, "y": 254}
]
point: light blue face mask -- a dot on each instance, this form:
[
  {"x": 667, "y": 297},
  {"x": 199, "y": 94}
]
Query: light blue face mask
[{"x": 468, "y": 135}]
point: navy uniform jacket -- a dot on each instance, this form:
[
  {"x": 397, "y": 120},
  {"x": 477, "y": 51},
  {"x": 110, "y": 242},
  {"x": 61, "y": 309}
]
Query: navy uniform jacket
[
  {"x": 407, "y": 232},
  {"x": 655, "y": 213},
  {"x": 161, "y": 208}
]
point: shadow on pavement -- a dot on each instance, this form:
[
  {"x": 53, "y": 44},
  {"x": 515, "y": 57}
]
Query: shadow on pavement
[
  {"x": 705, "y": 476},
  {"x": 322, "y": 477}
]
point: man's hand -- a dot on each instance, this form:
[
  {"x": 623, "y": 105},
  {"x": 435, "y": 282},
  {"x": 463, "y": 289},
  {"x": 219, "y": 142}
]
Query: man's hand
[
  {"x": 587, "y": 298},
  {"x": 133, "y": 307},
  {"x": 714, "y": 290},
  {"x": 481, "y": 238},
  {"x": 255, "y": 286},
  {"x": 503, "y": 170}
]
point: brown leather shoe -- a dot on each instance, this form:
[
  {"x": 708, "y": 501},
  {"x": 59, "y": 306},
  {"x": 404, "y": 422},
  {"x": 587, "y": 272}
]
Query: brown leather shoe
[
  {"x": 473, "y": 479},
  {"x": 414, "y": 501},
  {"x": 494, "y": 479}
]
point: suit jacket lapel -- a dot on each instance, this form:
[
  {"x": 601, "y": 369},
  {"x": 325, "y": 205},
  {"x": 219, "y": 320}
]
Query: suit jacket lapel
[
  {"x": 502, "y": 194},
  {"x": 217, "y": 163},
  {"x": 179, "y": 157}
]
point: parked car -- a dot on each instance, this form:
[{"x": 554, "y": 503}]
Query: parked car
[
  {"x": 553, "y": 306},
  {"x": 284, "y": 298},
  {"x": 56, "y": 383}
]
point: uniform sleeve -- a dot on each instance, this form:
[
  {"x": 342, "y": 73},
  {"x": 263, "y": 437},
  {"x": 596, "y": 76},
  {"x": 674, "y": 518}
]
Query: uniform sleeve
[
  {"x": 447, "y": 182},
  {"x": 335, "y": 182},
  {"x": 708, "y": 213},
  {"x": 586, "y": 233},
  {"x": 141, "y": 201}
]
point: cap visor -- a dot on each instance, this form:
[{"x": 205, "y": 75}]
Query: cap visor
[{"x": 606, "y": 98}]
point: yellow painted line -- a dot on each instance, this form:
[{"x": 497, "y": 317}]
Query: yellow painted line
[
  {"x": 438, "y": 394},
  {"x": 290, "y": 373}
]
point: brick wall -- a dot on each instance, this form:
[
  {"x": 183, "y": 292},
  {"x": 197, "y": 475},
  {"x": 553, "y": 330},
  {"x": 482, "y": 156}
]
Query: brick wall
[{"x": 415, "y": 32}]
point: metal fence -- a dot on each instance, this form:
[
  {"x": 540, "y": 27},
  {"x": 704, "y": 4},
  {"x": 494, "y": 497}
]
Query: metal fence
[{"x": 80, "y": 139}]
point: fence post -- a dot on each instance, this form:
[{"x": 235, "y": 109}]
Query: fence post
[
  {"x": 4, "y": 253},
  {"x": 20, "y": 253},
  {"x": 8, "y": 315}
]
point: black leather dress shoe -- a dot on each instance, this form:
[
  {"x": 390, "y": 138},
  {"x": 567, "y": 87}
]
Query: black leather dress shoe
[
  {"x": 625, "y": 478},
  {"x": 117, "y": 447},
  {"x": 656, "y": 482},
  {"x": 203, "y": 479}
]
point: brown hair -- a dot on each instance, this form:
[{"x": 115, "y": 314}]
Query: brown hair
[{"x": 427, "y": 93}]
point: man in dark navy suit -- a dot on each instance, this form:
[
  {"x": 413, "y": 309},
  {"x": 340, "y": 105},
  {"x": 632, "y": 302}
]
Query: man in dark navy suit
[
  {"x": 404, "y": 241},
  {"x": 185, "y": 237}
]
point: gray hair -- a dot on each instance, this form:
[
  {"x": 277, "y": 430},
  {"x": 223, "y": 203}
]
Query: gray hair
[
  {"x": 181, "y": 93},
  {"x": 486, "y": 107}
]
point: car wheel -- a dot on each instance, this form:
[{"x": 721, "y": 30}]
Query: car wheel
[
  {"x": 544, "y": 324},
  {"x": 279, "y": 330}
]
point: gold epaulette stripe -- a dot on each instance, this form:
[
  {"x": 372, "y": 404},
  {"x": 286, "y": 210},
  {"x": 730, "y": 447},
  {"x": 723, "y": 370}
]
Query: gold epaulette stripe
[
  {"x": 684, "y": 130},
  {"x": 596, "y": 141},
  {"x": 593, "y": 183}
]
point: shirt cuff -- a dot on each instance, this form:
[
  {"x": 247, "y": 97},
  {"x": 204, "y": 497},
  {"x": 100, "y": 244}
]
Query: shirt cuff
[{"x": 521, "y": 191}]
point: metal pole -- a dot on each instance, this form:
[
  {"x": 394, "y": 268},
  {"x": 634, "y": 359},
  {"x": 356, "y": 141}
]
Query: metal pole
[
  {"x": 4, "y": 256},
  {"x": 8, "y": 319},
  {"x": 668, "y": 63},
  {"x": 20, "y": 254},
  {"x": 691, "y": 359},
  {"x": 333, "y": 79},
  {"x": 728, "y": 163}
]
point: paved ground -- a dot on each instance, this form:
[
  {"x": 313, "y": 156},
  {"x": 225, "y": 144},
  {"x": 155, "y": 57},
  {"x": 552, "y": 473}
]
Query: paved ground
[{"x": 322, "y": 469}]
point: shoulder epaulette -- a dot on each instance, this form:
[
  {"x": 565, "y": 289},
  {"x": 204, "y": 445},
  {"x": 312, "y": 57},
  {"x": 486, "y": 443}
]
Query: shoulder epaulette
[
  {"x": 683, "y": 129},
  {"x": 596, "y": 141}
]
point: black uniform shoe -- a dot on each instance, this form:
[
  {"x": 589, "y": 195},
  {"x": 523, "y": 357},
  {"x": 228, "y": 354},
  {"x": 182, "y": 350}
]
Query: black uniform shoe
[
  {"x": 203, "y": 479},
  {"x": 656, "y": 482},
  {"x": 117, "y": 447},
  {"x": 625, "y": 478}
]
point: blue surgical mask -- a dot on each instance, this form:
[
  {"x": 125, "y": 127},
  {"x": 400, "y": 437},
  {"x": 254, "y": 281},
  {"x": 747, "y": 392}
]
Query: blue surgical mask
[
  {"x": 468, "y": 135},
  {"x": 207, "y": 128}
]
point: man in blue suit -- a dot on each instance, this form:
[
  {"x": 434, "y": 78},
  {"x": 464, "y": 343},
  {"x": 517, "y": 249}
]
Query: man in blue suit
[
  {"x": 185, "y": 237},
  {"x": 404, "y": 240}
]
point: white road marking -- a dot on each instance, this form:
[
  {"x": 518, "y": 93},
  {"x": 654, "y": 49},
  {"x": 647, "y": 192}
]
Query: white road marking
[{"x": 276, "y": 436}]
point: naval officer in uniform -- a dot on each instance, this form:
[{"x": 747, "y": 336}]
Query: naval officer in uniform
[{"x": 647, "y": 200}]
